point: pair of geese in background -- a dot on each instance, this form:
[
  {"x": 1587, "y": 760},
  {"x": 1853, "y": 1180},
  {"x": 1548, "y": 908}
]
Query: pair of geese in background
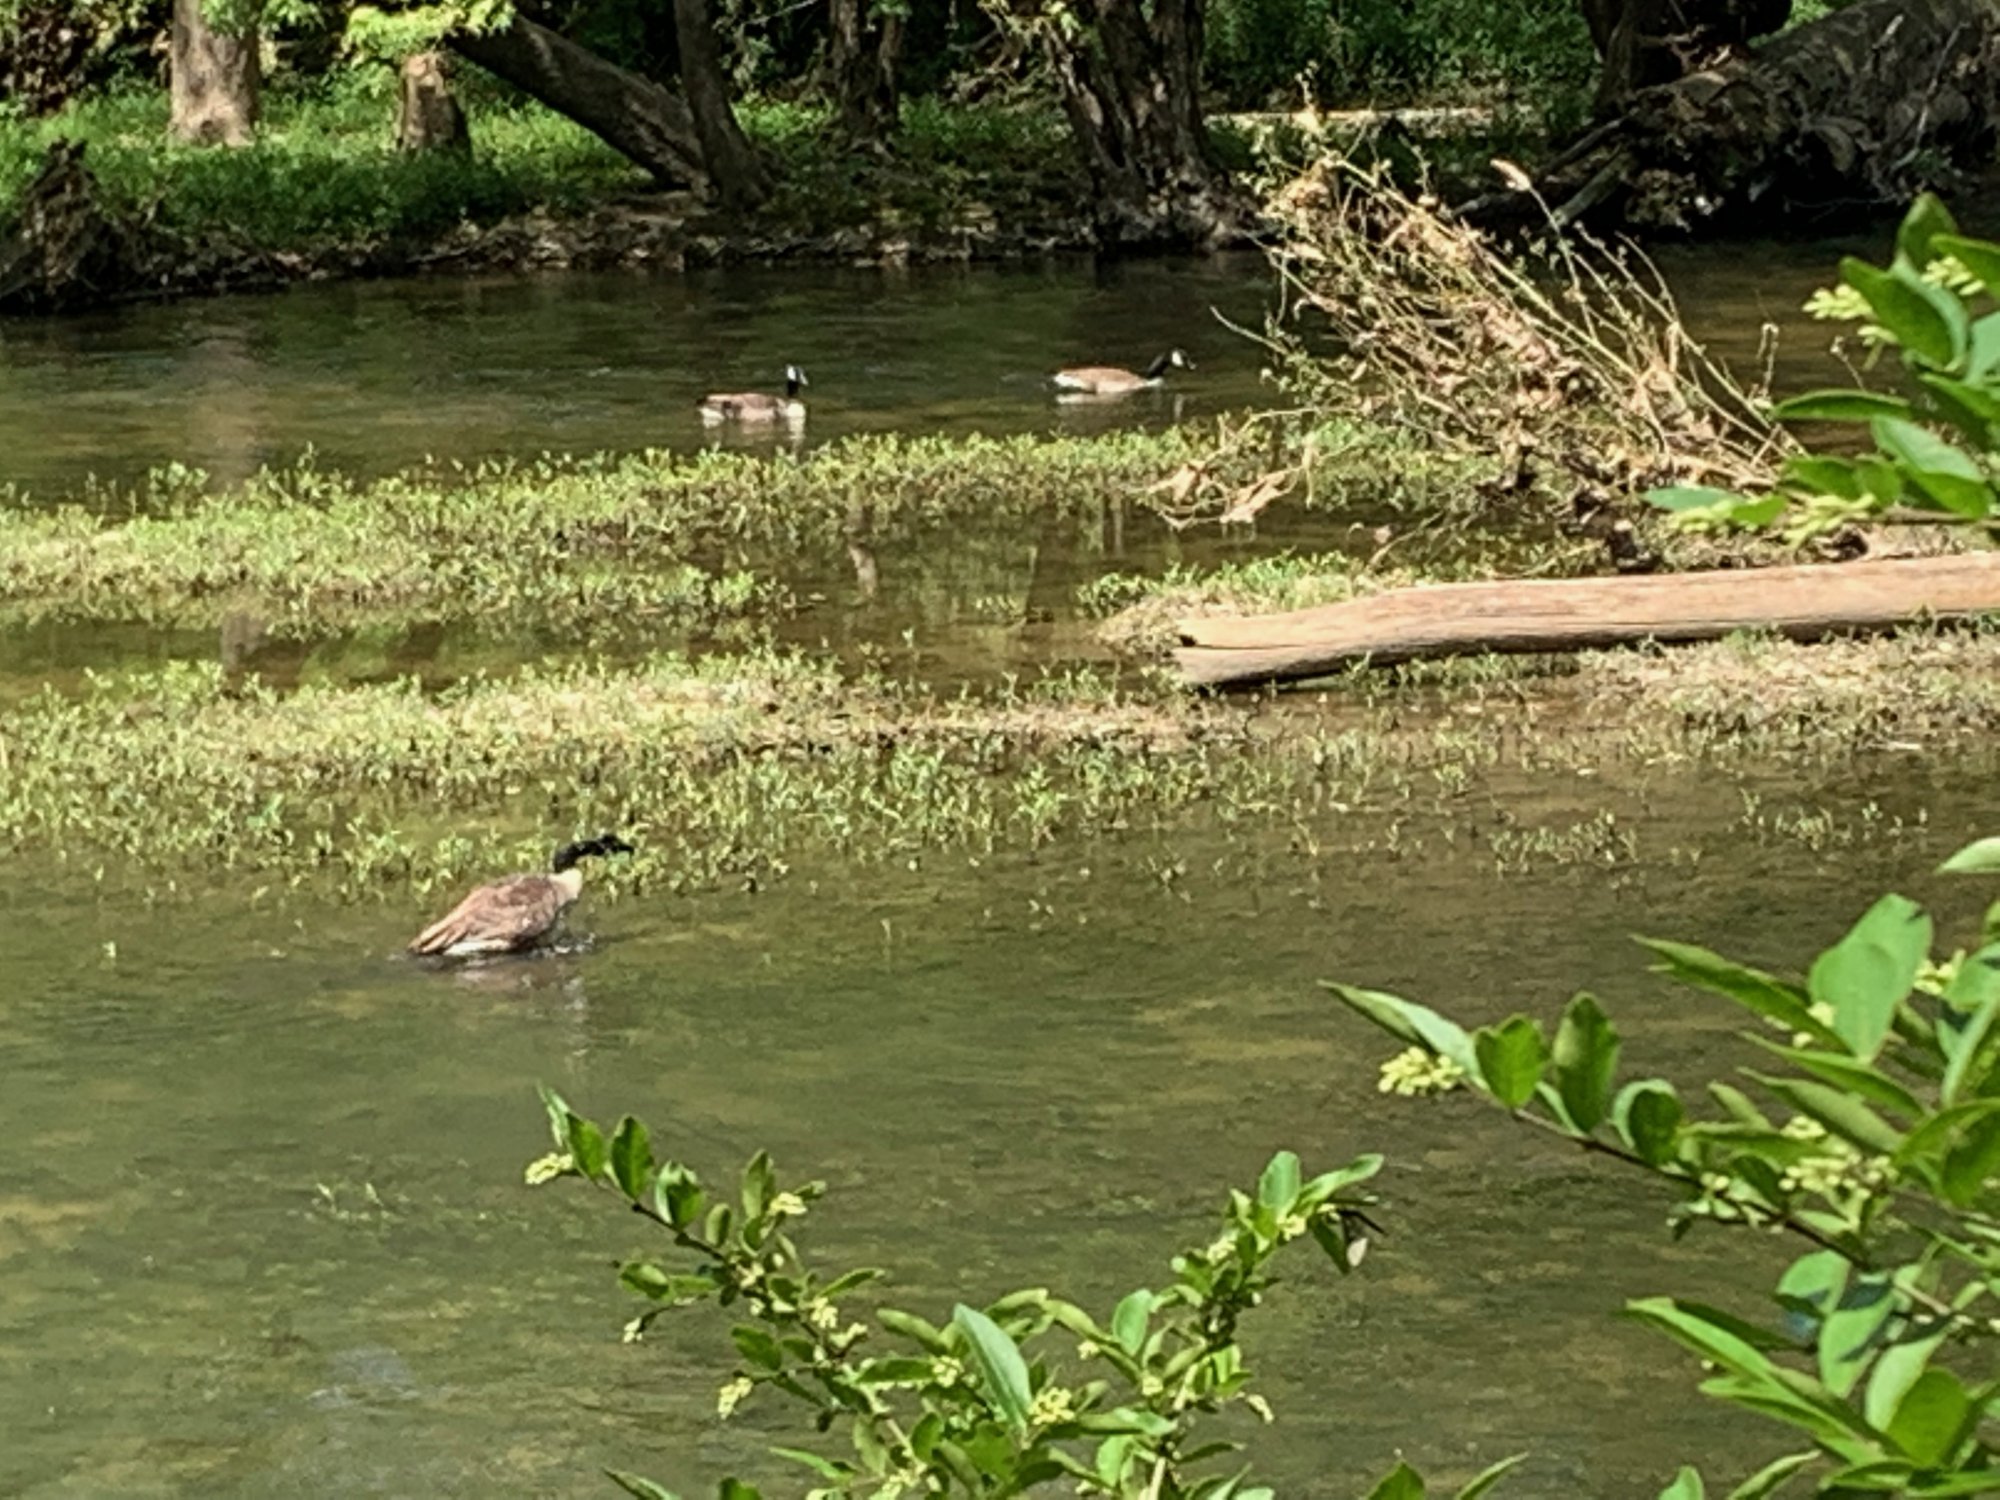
[{"x": 1078, "y": 383}]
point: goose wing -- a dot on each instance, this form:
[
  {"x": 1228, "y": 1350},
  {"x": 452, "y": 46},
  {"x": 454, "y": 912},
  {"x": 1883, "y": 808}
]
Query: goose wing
[
  {"x": 1096, "y": 378},
  {"x": 740, "y": 403},
  {"x": 503, "y": 915}
]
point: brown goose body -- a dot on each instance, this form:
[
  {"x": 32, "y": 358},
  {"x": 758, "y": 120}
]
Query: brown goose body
[
  {"x": 516, "y": 912},
  {"x": 757, "y": 406},
  {"x": 1111, "y": 380}
]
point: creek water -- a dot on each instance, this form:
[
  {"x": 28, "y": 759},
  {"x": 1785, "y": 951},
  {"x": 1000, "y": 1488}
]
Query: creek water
[{"x": 262, "y": 1225}]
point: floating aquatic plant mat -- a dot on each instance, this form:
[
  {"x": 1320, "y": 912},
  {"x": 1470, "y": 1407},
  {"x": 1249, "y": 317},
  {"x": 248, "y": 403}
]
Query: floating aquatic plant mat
[
  {"x": 732, "y": 768},
  {"x": 1570, "y": 614}
]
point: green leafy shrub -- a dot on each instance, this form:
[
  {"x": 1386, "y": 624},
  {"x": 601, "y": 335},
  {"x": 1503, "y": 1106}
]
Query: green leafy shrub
[
  {"x": 1028, "y": 1392},
  {"x": 1872, "y": 1133},
  {"x": 1930, "y": 449}
]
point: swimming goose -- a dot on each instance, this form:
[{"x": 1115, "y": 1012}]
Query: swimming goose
[
  {"x": 1109, "y": 380},
  {"x": 757, "y": 406},
  {"x": 516, "y": 911}
]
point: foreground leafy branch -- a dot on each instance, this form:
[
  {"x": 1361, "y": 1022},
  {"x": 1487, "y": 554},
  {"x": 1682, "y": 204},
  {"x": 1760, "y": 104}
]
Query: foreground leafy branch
[
  {"x": 978, "y": 1405},
  {"x": 1931, "y": 450},
  {"x": 1878, "y": 1143}
]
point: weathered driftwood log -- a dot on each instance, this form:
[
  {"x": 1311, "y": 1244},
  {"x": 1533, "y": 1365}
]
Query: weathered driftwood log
[
  {"x": 1571, "y": 614},
  {"x": 1855, "y": 111}
]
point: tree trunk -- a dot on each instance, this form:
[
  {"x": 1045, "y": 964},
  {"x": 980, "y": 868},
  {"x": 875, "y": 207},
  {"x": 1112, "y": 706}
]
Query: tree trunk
[
  {"x": 634, "y": 116},
  {"x": 739, "y": 175},
  {"x": 1648, "y": 42},
  {"x": 428, "y": 118},
  {"x": 861, "y": 55},
  {"x": 1853, "y": 113},
  {"x": 214, "y": 81},
  {"x": 1573, "y": 614},
  {"x": 1131, "y": 87}
]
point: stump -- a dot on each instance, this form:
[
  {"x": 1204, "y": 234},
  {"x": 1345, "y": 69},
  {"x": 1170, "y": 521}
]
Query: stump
[
  {"x": 1572, "y": 614},
  {"x": 428, "y": 116},
  {"x": 62, "y": 249}
]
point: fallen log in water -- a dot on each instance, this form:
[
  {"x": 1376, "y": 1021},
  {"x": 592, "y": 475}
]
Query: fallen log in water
[{"x": 1571, "y": 614}]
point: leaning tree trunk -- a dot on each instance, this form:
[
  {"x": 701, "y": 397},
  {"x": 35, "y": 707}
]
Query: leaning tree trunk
[
  {"x": 428, "y": 115},
  {"x": 1648, "y": 42},
  {"x": 863, "y": 43},
  {"x": 1852, "y": 113},
  {"x": 1131, "y": 85},
  {"x": 740, "y": 177},
  {"x": 213, "y": 81},
  {"x": 636, "y": 117}
]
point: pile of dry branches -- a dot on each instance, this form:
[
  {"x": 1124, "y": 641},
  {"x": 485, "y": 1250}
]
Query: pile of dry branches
[{"x": 1570, "y": 367}]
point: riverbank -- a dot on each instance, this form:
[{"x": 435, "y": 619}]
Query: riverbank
[{"x": 324, "y": 193}]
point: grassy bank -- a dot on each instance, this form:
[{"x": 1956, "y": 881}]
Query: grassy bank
[{"x": 324, "y": 177}]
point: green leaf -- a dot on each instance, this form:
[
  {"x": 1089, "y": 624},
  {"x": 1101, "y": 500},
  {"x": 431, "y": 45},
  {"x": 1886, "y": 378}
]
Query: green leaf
[
  {"x": 1687, "y": 1485},
  {"x": 760, "y": 1186},
  {"x": 560, "y": 1114},
  {"x": 910, "y": 1326},
  {"x": 1843, "y": 1072},
  {"x": 896, "y": 1369},
  {"x": 1895, "y": 1372},
  {"x": 1128, "y": 1320},
  {"x": 826, "y": 1468},
  {"x": 633, "y": 1484},
  {"x": 1402, "y": 1483},
  {"x": 631, "y": 1158},
  {"x": 1932, "y": 1418},
  {"x": 1974, "y": 999},
  {"x": 586, "y": 1146},
  {"x": 1487, "y": 1477},
  {"x": 1927, "y": 321},
  {"x": 1127, "y": 1419},
  {"x": 1867, "y": 974},
  {"x": 1840, "y": 406},
  {"x": 1839, "y": 1111},
  {"x": 1973, "y": 409},
  {"x": 1278, "y": 1188},
  {"x": 1002, "y": 1371},
  {"x": 1414, "y": 1023},
  {"x": 1511, "y": 1058},
  {"x": 1980, "y": 257},
  {"x": 1753, "y": 989},
  {"x": 736, "y": 1489},
  {"x": 1324, "y": 1186},
  {"x": 1586, "y": 1059},
  {"x": 757, "y": 1346},
  {"x": 1916, "y": 239},
  {"x": 1690, "y": 497},
  {"x": 677, "y": 1195},
  {"x": 1946, "y": 473},
  {"x": 1849, "y": 1332},
  {"x": 1647, "y": 1116},
  {"x": 1819, "y": 474},
  {"x": 1971, "y": 1160},
  {"x": 1767, "y": 1480},
  {"x": 1981, "y": 857}
]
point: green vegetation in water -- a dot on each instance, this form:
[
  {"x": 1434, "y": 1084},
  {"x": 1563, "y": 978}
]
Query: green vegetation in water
[
  {"x": 738, "y": 766},
  {"x": 688, "y": 540}
]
